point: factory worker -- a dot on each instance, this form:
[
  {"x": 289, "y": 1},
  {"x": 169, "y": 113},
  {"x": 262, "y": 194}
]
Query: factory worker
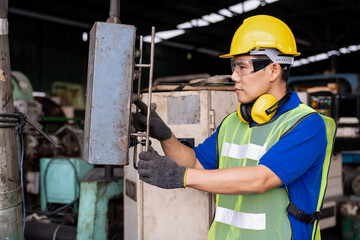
[{"x": 268, "y": 161}]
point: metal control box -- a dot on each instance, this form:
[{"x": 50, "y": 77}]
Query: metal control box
[
  {"x": 108, "y": 95},
  {"x": 152, "y": 213}
]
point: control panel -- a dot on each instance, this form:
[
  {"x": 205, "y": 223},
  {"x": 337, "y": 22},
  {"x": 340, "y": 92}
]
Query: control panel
[{"x": 322, "y": 102}]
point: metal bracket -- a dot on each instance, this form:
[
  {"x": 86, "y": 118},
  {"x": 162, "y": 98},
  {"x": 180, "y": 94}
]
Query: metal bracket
[{"x": 140, "y": 65}]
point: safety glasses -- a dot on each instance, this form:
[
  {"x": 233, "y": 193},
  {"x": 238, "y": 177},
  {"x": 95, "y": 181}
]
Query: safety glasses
[{"x": 247, "y": 67}]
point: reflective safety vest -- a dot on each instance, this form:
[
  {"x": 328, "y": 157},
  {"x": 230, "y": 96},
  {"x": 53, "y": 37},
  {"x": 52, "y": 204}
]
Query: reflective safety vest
[{"x": 260, "y": 216}]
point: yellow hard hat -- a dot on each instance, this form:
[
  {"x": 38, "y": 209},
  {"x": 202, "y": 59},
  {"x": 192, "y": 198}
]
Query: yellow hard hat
[{"x": 262, "y": 31}]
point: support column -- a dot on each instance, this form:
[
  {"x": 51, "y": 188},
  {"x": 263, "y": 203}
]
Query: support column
[
  {"x": 10, "y": 188},
  {"x": 93, "y": 209}
]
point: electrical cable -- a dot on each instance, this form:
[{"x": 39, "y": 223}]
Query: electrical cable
[
  {"x": 14, "y": 120},
  {"x": 62, "y": 207},
  {"x": 11, "y": 120},
  {"x": 21, "y": 168}
]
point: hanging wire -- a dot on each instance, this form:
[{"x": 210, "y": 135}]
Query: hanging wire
[
  {"x": 21, "y": 167},
  {"x": 10, "y": 120}
]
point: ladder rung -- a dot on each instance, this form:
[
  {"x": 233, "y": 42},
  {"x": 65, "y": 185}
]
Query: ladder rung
[
  {"x": 138, "y": 134},
  {"x": 143, "y": 65}
]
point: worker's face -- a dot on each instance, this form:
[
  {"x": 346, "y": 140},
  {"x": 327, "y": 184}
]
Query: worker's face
[{"x": 249, "y": 85}]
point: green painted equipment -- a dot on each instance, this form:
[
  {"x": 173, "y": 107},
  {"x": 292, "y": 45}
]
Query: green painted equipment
[
  {"x": 22, "y": 88},
  {"x": 59, "y": 177},
  {"x": 93, "y": 209}
]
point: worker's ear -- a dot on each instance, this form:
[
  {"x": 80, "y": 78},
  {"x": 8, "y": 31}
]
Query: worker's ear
[{"x": 275, "y": 71}]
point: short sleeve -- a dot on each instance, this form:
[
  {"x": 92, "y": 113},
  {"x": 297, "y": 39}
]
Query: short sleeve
[
  {"x": 206, "y": 152},
  {"x": 298, "y": 151}
]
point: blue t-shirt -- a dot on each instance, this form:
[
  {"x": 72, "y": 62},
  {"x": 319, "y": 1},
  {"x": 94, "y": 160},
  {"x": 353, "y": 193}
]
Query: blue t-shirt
[{"x": 297, "y": 159}]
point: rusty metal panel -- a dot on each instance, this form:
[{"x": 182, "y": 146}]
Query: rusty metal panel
[
  {"x": 108, "y": 97},
  {"x": 183, "y": 109}
]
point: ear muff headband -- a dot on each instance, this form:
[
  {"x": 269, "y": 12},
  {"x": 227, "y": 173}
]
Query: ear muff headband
[{"x": 281, "y": 102}]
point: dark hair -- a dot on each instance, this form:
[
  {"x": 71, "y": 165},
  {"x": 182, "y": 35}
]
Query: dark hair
[{"x": 285, "y": 71}]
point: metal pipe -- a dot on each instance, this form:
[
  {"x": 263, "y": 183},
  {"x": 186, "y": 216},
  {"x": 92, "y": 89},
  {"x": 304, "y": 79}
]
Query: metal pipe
[
  {"x": 140, "y": 63},
  {"x": 109, "y": 172},
  {"x": 152, "y": 50},
  {"x": 138, "y": 134},
  {"x": 47, "y": 231},
  {"x": 143, "y": 65},
  {"x": 10, "y": 187},
  {"x": 114, "y": 13},
  {"x": 114, "y": 8},
  {"x": 138, "y": 96}
]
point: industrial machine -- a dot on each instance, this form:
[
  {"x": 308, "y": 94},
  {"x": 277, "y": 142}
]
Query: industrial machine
[
  {"x": 107, "y": 122},
  {"x": 193, "y": 115},
  {"x": 75, "y": 195}
]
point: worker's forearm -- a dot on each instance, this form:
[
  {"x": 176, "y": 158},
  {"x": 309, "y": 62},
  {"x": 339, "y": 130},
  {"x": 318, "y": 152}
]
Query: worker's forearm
[
  {"x": 240, "y": 180},
  {"x": 178, "y": 152}
]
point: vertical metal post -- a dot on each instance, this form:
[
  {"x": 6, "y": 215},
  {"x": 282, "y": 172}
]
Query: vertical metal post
[
  {"x": 138, "y": 92},
  {"x": 140, "y": 62},
  {"x": 10, "y": 187},
  {"x": 150, "y": 86},
  {"x": 109, "y": 172},
  {"x": 114, "y": 14}
]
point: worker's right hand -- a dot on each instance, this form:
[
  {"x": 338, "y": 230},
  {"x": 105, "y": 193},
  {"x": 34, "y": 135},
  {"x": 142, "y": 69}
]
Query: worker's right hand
[
  {"x": 158, "y": 129},
  {"x": 160, "y": 171}
]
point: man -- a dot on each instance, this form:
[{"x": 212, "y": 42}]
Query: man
[{"x": 267, "y": 162}]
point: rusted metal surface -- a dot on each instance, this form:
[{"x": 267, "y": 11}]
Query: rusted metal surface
[
  {"x": 10, "y": 190},
  {"x": 108, "y": 98}
]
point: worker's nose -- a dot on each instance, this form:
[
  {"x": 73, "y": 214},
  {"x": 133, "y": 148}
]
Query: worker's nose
[{"x": 235, "y": 77}]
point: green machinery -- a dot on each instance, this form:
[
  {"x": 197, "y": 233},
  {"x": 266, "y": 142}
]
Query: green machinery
[
  {"x": 22, "y": 88},
  {"x": 60, "y": 178}
]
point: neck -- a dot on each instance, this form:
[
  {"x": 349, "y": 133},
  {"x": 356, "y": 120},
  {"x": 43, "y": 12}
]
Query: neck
[{"x": 278, "y": 91}]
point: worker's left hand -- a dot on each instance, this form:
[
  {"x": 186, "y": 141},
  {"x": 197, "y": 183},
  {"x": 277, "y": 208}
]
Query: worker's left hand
[{"x": 160, "y": 171}]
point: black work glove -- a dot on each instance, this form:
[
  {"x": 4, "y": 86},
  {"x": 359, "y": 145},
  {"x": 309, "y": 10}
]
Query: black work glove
[
  {"x": 160, "y": 171},
  {"x": 158, "y": 129}
]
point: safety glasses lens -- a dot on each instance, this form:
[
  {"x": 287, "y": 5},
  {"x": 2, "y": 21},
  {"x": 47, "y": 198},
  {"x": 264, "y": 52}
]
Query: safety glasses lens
[{"x": 246, "y": 67}]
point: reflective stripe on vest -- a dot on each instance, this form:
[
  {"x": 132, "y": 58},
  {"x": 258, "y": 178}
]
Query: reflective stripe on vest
[
  {"x": 253, "y": 221},
  {"x": 252, "y": 216},
  {"x": 250, "y": 151}
]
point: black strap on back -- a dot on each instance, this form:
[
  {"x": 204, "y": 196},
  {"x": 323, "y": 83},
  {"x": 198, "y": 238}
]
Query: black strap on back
[{"x": 301, "y": 215}]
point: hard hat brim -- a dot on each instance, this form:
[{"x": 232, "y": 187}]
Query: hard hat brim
[
  {"x": 229, "y": 55},
  {"x": 226, "y": 56}
]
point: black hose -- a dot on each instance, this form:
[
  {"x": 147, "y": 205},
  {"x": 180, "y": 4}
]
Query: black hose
[{"x": 36, "y": 230}]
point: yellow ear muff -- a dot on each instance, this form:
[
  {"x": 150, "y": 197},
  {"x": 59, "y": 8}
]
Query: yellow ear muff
[{"x": 261, "y": 104}]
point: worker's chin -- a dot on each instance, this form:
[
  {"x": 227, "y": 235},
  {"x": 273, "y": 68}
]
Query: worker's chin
[{"x": 244, "y": 100}]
